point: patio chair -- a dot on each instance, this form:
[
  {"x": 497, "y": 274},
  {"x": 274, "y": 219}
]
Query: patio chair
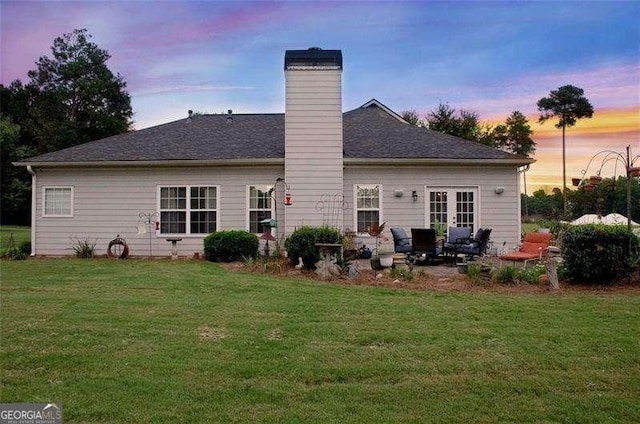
[
  {"x": 401, "y": 241},
  {"x": 477, "y": 245},
  {"x": 535, "y": 247},
  {"x": 457, "y": 238}
]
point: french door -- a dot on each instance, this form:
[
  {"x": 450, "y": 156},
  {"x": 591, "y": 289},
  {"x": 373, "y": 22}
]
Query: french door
[{"x": 451, "y": 207}]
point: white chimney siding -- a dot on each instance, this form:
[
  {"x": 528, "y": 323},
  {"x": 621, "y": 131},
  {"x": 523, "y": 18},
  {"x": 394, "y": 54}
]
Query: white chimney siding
[{"x": 313, "y": 141}]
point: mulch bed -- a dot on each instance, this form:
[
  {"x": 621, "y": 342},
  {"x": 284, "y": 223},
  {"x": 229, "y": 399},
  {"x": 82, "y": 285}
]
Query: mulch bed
[{"x": 440, "y": 278}]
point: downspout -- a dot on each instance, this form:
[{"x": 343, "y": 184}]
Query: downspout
[
  {"x": 33, "y": 209},
  {"x": 521, "y": 170}
]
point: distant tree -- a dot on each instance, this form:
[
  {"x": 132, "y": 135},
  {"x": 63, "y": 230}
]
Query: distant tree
[
  {"x": 444, "y": 119},
  {"x": 515, "y": 135},
  {"x": 568, "y": 104},
  {"x": 15, "y": 182},
  {"x": 71, "y": 98},
  {"x": 411, "y": 116},
  {"x": 463, "y": 123},
  {"x": 79, "y": 99}
]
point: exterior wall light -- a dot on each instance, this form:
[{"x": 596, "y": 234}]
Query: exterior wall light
[{"x": 499, "y": 190}]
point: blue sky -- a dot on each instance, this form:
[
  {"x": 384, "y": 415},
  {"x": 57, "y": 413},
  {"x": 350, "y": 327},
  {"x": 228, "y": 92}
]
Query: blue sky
[{"x": 489, "y": 57}]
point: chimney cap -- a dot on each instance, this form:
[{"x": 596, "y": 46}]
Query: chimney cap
[{"x": 313, "y": 57}]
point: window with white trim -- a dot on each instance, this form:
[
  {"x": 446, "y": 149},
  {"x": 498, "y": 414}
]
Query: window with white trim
[
  {"x": 188, "y": 209},
  {"x": 57, "y": 201},
  {"x": 367, "y": 206},
  {"x": 260, "y": 207}
]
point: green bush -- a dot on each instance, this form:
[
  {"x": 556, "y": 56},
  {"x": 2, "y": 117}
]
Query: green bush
[
  {"x": 231, "y": 245},
  {"x": 507, "y": 275},
  {"x": 84, "y": 248},
  {"x": 598, "y": 253},
  {"x": 302, "y": 244}
]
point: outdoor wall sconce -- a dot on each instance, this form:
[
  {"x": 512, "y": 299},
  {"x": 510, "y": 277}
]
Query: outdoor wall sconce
[
  {"x": 499, "y": 190},
  {"x": 397, "y": 193},
  {"x": 414, "y": 196}
]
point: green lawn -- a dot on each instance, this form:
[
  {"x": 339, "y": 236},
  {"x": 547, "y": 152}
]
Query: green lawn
[
  {"x": 20, "y": 235},
  {"x": 186, "y": 341}
]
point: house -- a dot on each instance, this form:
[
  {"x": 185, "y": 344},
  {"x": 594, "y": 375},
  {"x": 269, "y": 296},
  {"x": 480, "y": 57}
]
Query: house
[{"x": 204, "y": 173}]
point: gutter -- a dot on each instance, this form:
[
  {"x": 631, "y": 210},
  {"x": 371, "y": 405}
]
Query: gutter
[
  {"x": 162, "y": 163},
  {"x": 435, "y": 162},
  {"x": 33, "y": 209}
]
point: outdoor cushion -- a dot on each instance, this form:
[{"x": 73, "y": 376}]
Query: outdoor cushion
[
  {"x": 458, "y": 235},
  {"x": 519, "y": 256},
  {"x": 535, "y": 248},
  {"x": 400, "y": 237},
  {"x": 538, "y": 238}
]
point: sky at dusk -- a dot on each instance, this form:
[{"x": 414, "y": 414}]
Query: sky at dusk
[{"x": 488, "y": 57}]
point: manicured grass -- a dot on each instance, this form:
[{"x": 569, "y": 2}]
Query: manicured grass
[
  {"x": 186, "y": 341},
  {"x": 20, "y": 235}
]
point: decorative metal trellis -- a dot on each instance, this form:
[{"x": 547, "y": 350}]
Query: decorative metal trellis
[{"x": 331, "y": 207}]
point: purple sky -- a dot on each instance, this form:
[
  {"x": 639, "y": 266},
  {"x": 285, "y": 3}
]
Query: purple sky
[{"x": 489, "y": 57}]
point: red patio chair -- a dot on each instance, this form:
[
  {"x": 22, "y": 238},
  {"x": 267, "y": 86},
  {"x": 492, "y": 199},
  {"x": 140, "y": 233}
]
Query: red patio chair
[{"x": 535, "y": 246}]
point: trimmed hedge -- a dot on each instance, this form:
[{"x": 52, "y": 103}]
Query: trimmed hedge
[
  {"x": 302, "y": 244},
  {"x": 598, "y": 253},
  {"x": 231, "y": 245}
]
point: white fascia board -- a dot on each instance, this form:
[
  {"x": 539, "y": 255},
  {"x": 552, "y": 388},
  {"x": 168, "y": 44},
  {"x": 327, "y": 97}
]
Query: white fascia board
[
  {"x": 436, "y": 162},
  {"x": 165, "y": 163}
]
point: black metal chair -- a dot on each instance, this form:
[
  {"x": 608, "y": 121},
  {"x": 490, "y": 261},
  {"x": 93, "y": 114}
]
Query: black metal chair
[
  {"x": 425, "y": 246},
  {"x": 477, "y": 246}
]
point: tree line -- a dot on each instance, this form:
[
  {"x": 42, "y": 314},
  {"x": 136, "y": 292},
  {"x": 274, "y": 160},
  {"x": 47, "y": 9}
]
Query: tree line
[
  {"x": 607, "y": 197},
  {"x": 70, "y": 98}
]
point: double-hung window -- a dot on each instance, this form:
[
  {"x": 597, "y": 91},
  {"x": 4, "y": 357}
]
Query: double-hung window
[
  {"x": 260, "y": 207},
  {"x": 57, "y": 202},
  {"x": 188, "y": 209},
  {"x": 367, "y": 206}
]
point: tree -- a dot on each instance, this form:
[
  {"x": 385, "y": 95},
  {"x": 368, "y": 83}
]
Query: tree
[
  {"x": 464, "y": 124},
  {"x": 568, "y": 104},
  {"x": 71, "y": 98},
  {"x": 411, "y": 116},
  {"x": 515, "y": 135},
  {"x": 79, "y": 98}
]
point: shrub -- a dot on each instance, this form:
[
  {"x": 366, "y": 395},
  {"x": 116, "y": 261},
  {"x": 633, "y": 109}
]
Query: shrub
[
  {"x": 404, "y": 273},
  {"x": 302, "y": 244},
  {"x": 84, "y": 248},
  {"x": 530, "y": 275},
  {"x": 231, "y": 245},
  {"x": 598, "y": 253},
  {"x": 506, "y": 275},
  {"x": 25, "y": 248}
]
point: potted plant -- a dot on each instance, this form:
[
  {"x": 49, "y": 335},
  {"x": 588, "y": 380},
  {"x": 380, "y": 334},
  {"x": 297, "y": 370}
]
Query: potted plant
[{"x": 380, "y": 258}]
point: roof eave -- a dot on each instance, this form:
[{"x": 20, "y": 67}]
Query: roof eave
[
  {"x": 437, "y": 161},
  {"x": 161, "y": 163}
]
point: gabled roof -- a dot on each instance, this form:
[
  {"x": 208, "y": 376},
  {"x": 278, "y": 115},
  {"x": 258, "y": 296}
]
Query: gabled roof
[{"x": 370, "y": 132}]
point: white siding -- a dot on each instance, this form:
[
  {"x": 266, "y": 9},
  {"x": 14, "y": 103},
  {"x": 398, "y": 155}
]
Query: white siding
[
  {"x": 107, "y": 202},
  {"x": 313, "y": 142},
  {"x": 499, "y": 212}
]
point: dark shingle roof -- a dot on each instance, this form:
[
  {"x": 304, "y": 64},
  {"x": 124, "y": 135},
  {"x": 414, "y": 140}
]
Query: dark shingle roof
[
  {"x": 369, "y": 133},
  {"x": 204, "y": 137}
]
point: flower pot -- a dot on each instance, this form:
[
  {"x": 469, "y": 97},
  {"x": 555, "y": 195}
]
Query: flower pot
[
  {"x": 375, "y": 264},
  {"x": 595, "y": 180},
  {"x": 386, "y": 260}
]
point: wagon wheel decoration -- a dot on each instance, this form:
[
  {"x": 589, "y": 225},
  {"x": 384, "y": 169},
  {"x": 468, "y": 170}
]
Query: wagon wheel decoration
[{"x": 118, "y": 248}]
